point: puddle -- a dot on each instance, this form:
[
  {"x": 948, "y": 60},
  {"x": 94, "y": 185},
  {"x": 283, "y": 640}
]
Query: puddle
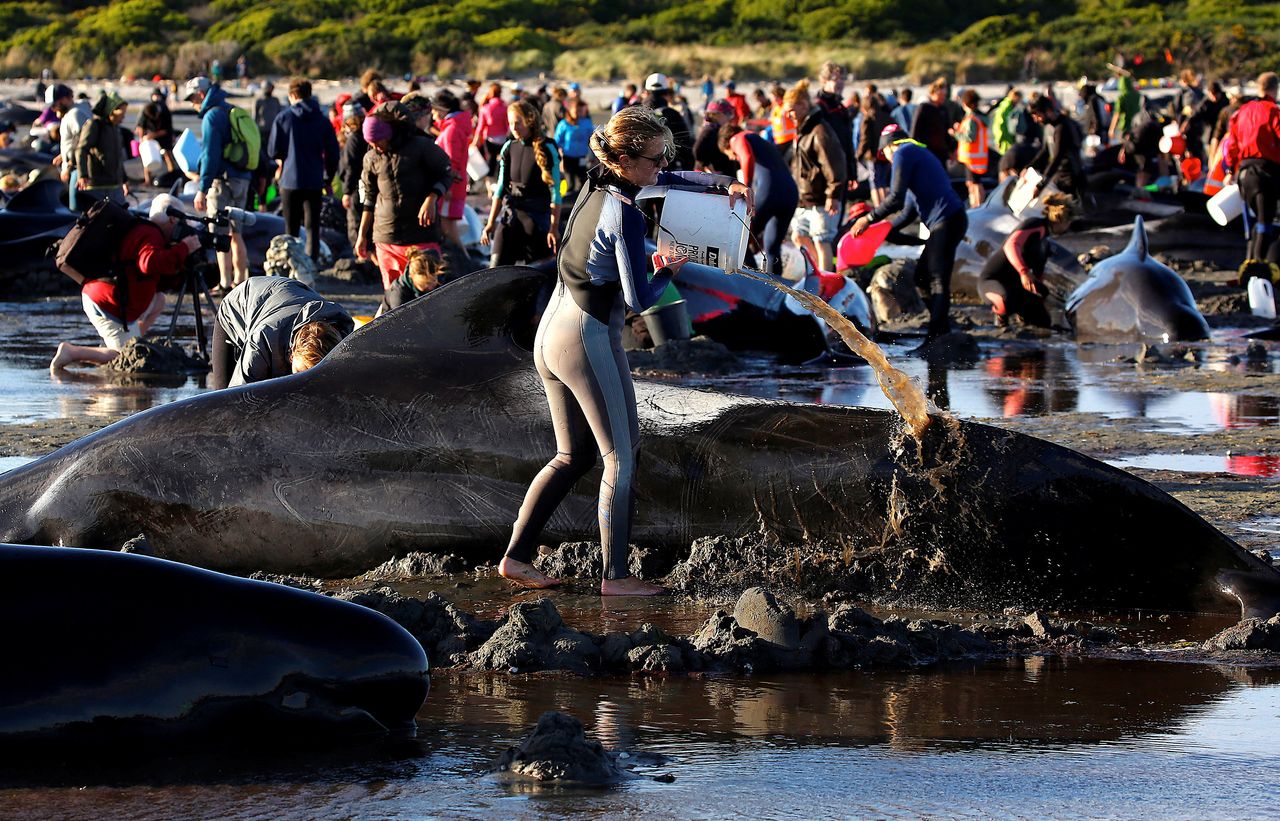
[
  {"x": 8, "y": 463},
  {"x": 1258, "y": 466}
]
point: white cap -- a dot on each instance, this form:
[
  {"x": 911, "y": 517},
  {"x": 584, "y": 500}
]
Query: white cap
[
  {"x": 160, "y": 206},
  {"x": 656, "y": 82},
  {"x": 196, "y": 85}
]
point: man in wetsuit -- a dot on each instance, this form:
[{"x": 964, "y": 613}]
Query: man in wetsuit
[
  {"x": 1059, "y": 157},
  {"x": 932, "y": 124},
  {"x": 917, "y": 171}
]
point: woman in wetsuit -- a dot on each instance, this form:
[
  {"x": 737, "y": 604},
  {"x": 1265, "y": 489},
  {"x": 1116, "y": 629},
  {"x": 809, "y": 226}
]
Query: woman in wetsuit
[
  {"x": 760, "y": 166},
  {"x": 603, "y": 271},
  {"x": 524, "y": 222},
  {"x": 1013, "y": 278}
]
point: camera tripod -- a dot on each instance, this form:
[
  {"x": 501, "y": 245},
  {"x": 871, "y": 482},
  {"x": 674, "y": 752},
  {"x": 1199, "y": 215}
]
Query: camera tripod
[{"x": 193, "y": 282}]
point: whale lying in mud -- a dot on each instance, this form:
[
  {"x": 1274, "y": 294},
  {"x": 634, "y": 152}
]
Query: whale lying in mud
[
  {"x": 109, "y": 648},
  {"x": 1131, "y": 297},
  {"x": 422, "y": 430}
]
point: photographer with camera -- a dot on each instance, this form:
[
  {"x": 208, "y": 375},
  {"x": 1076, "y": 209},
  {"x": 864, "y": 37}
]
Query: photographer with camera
[
  {"x": 273, "y": 326},
  {"x": 124, "y": 306},
  {"x": 226, "y": 166}
]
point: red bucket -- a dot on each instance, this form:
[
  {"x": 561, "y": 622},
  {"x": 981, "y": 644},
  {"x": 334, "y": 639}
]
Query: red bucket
[
  {"x": 854, "y": 252},
  {"x": 1176, "y": 144}
]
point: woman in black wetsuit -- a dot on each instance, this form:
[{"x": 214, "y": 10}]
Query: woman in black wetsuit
[
  {"x": 524, "y": 222},
  {"x": 760, "y": 166},
  {"x": 1013, "y": 278},
  {"x": 603, "y": 271}
]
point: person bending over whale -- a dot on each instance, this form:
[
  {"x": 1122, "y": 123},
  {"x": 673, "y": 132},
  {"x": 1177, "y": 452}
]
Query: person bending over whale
[
  {"x": 918, "y": 172},
  {"x": 603, "y": 271},
  {"x": 424, "y": 268},
  {"x": 1013, "y": 278},
  {"x": 272, "y": 326}
]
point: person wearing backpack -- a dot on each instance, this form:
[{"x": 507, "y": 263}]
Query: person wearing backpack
[
  {"x": 125, "y": 303},
  {"x": 230, "y": 144},
  {"x": 303, "y": 140}
]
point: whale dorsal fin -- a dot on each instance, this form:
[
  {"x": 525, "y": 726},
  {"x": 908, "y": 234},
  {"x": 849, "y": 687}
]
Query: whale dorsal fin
[
  {"x": 1138, "y": 242},
  {"x": 486, "y": 312}
]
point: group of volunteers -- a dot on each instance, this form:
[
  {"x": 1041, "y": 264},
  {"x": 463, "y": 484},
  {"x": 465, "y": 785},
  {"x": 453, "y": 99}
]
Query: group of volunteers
[{"x": 811, "y": 162}]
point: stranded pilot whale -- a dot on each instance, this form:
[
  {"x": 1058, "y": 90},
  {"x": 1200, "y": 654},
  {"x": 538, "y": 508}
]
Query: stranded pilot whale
[
  {"x": 422, "y": 430},
  {"x": 1131, "y": 297},
  {"x": 106, "y": 648}
]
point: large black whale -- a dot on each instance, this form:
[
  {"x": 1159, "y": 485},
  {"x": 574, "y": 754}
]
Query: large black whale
[
  {"x": 107, "y": 648},
  {"x": 423, "y": 429}
]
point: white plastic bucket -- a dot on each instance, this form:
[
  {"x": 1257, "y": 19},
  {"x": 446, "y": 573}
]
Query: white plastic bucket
[
  {"x": 151, "y": 154},
  {"x": 471, "y": 227},
  {"x": 1262, "y": 298},
  {"x": 477, "y": 166},
  {"x": 699, "y": 226},
  {"x": 1171, "y": 130},
  {"x": 1092, "y": 144},
  {"x": 1023, "y": 201},
  {"x": 1225, "y": 205},
  {"x": 186, "y": 152}
]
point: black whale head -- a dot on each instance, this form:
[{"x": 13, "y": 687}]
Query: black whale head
[{"x": 119, "y": 648}]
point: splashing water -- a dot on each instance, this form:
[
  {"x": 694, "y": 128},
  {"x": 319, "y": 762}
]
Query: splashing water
[{"x": 905, "y": 395}]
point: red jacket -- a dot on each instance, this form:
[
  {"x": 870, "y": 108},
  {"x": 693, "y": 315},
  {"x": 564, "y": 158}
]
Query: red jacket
[
  {"x": 149, "y": 262},
  {"x": 455, "y": 139},
  {"x": 1255, "y": 133}
]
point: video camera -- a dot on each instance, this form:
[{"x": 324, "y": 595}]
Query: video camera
[{"x": 219, "y": 227}]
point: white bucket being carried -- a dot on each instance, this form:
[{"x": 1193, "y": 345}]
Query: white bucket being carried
[
  {"x": 151, "y": 154},
  {"x": 1023, "y": 201},
  {"x": 186, "y": 152},
  {"x": 1225, "y": 205},
  {"x": 1262, "y": 298},
  {"x": 477, "y": 165},
  {"x": 700, "y": 226},
  {"x": 1092, "y": 145}
]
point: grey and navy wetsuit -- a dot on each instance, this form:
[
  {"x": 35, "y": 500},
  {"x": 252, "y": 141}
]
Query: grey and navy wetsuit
[{"x": 603, "y": 270}]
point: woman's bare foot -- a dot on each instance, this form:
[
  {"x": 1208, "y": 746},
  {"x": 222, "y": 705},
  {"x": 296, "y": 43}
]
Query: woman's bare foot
[
  {"x": 630, "y": 586},
  {"x": 61, "y": 359},
  {"x": 525, "y": 574}
]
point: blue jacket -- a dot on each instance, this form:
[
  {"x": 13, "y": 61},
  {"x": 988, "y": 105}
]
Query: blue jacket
[
  {"x": 916, "y": 171},
  {"x": 215, "y": 132},
  {"x": 303, "y": 138},
  {"x": 574, "y": 140}
]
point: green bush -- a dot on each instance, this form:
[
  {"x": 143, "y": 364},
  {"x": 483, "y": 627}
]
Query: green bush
[
  {"x": 516, "y": 38},
  {"x": 130, "y": 22}
]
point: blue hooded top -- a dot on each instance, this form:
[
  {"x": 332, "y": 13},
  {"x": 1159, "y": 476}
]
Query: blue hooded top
[{"x": 215, "y": 133}]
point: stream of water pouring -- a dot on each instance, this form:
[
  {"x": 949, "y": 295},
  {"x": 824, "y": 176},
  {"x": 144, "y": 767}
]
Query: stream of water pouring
[{"x": 905, "y": 395}]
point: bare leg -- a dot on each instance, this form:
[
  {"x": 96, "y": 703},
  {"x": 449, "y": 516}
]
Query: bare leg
[
  {"x": 239, "y": 257},
  {"x": 826, "y": 259},
  {"x": 153, "y": 312},
  {"x": 69, "y": 353},
  {"x": 226, "y": 275}
]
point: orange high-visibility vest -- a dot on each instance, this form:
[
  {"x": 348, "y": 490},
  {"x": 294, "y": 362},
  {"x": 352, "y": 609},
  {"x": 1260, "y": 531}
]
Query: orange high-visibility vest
[
  {"x": 784, "y": 131},
  {"x": 974, "y": 155}
]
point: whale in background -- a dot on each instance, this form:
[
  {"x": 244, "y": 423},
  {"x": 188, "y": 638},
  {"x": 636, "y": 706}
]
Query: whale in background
[{"x": 1131, "y": 297}]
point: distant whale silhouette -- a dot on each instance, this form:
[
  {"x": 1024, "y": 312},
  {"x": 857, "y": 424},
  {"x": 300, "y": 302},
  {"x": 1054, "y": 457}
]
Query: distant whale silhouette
[
  {"x": 1131, "y": 297},
  {"x": 423, "y": 429}
]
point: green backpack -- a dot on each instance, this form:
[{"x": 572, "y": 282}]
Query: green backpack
[{"x": 246, "y": 141}]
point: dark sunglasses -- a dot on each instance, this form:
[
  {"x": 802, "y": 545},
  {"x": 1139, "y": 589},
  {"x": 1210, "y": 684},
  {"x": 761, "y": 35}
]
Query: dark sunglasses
[{"x": 668, "y": 154}]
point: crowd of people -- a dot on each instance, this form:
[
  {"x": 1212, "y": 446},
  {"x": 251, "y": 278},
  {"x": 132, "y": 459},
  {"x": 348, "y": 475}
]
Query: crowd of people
[{"x": 813, "y": 161}]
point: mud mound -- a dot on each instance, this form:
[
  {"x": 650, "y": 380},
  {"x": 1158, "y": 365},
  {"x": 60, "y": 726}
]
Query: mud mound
[
  {"x": 558, "y": 750},
  {"x": 142, "y": 356},
  {"x": 417, "y": 564},
  {"x": 584, "y": 560},
  {"x": 1250, "y": 634},
  {"x": 446, "y": 633}
]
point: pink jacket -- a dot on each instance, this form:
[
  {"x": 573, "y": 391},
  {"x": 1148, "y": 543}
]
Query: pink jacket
[
  {"x": 493, "y": 121},
  {"x": 455, "y": 140}
]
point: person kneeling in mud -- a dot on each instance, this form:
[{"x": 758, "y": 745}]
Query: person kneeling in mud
[
  {"x": 124, "y": 306},
  {"x": 424, "y": 271},
  {"x": 1013, "y": 278},
  {"x": 273, "y": 326}
]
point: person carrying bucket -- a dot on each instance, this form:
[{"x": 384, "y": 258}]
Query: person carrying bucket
[
  {"x": 602, "y": 270},
  {"x": 918, "y": 172},
  {"x": 1254, "y": 154}
]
